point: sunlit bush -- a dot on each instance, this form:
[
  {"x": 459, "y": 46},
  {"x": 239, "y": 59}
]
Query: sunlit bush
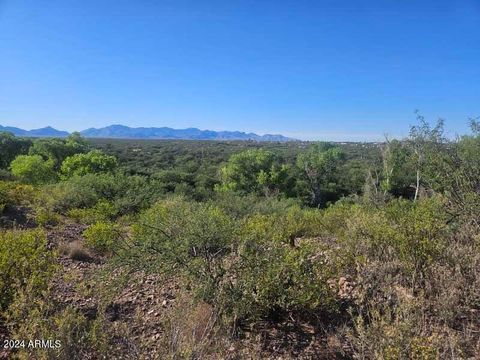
[
  {"x": 46, "y": 217},
  {"x": 93, "y": 162},
  {"x": 247, "y": 269},
  {"x": 24, "y": 260},
  {"x": 126, "y": 193},
  {"x": 12, "y": 193},
  {"x": 103, "y": 210},
  {"x": 33, "y": 169},
  {"x": 102, "y": 237}
]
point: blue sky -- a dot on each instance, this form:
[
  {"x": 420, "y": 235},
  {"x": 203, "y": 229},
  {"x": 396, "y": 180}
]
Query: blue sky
[{"x": 335, "y": 70}]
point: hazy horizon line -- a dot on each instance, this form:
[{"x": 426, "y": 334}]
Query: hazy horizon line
[{"x": 300, "y": 135}]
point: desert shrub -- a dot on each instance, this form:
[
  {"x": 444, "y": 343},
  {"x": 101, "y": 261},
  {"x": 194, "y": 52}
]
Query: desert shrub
[
  {"x": 189, "y": 237},
  {"x": 318, "y": 180},
  {"x": 103, "y": 210},
  {"x": 242, "y": 206},
  {"x": 5, "y": 195},
  {"x": 415, "y": 233},
  {"x": 24, "y": 260},
  {"x": 274, "y": 276},
  {"x": 411, "y": 279},
  {"x": 192, "y": 331},
  {"x": 126, "y": 193},
  {"x": 396, "y": 318},
  {"x": 21, "y": 194},
  {"x": 102, "y": 237},
  {"x": 86, "y": 216},
  {"x": 78, "y": 192},
  {"x": 68, "y": 330},
  {"x": 399, "y": 333},
  {"x": 33, "y": 169},
  {"x": 335, "y": 218},
  {"x": 73, "y": 335},
  {"x": 46, "y": 217},
  {"x": 14, "y": 194},
  {"x": 6, "y": 175},
  {"x": 135, "y": 193},
  {"x": 246, "y": 269}
]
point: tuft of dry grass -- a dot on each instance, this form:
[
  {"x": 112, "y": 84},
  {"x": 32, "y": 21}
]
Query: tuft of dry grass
[
  {"x": 192, "y": 331},
  {"x": 75, "y": 251}
]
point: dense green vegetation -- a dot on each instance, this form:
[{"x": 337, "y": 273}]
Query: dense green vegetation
[{"x": 375, "y": 246}]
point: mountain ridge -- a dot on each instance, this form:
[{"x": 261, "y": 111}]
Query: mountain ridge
[
  {"x": 118, "y": 131},
  {"x": 47, "y": 131}
]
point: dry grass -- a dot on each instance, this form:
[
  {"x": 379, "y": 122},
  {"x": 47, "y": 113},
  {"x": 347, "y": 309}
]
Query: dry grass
[
  {"x": 192, "y": 331},
  {"x": 75, "y": 251}
]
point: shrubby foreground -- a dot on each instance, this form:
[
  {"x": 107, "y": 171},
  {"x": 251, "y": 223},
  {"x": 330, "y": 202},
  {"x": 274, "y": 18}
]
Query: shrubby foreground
[{"x": 243, "y": 250}]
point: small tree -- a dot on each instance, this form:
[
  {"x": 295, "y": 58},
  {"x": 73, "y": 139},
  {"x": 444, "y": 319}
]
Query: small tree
[
  {"x": 254, "y": 171},
  {"x": 76, "y": 142},
  {"x": 33, "y": 169},
  {"x": 426, "y": 144},
  {"x": 397, "y": 170},
  {"x": 318, "y": 167},
  {"x": 90, "y": 163},
  {"x": 10, "y": 147},
  {"x": 59, "y": 149}
]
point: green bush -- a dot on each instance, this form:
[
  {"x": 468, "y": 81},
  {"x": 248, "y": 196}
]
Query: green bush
[
  {"x": 274, "y": 275},
  {"x": 56, "y": 150},
  {"x": 102, "y": 211},
  {"x": 135, "y": 193},
  {"x": 185, "y": 236},
  {"x": 318, "y": 173},
  {"x": 10, "y": 147},
  {"x": 239, "y": 206},
  {"x": 247, "y": 269},
  {"x": 14, "y": 194},
  {"x": 45, "y": 217},
  {"x": 81, "y": 192},
  {"x": 254, "y": 171},
  {"x": 73, "y": 335},
  {"x": 411, "y": 232},
  {"x": 127, "y": 194},
  {"x": 33, "y": 169},
  {"x": 24, "y": 260},
  {"x": 102, "y": 237},
  {"x": 93, "y": 162},
  {"x": 5, "y": 195}
]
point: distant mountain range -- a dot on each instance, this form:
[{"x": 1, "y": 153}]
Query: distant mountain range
[
  {"x": 125, "y": 132},
  {"x": 43, "y": 132}
]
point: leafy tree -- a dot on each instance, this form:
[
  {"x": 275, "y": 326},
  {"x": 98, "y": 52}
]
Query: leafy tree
[
  {"x": 318, "y": 171},
  {"x": 351, "y": 176},
  {"x": 10, "y": 147},
  {"x": 33, "y": 169},
  {"x": 92, "y": 162},
  {"x": 398, "y": 172},
  {"x": 59, "y": 149},
  {"x": 427, "y": 146},
  {"x": 461, "y": 161},
  {"x": 254, "y": 171},
  {"x": 77, "y": 142}
]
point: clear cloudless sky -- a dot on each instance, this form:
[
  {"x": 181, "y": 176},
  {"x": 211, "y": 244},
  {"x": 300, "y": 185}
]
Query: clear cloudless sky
[{"x": 333, "y": 69}]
